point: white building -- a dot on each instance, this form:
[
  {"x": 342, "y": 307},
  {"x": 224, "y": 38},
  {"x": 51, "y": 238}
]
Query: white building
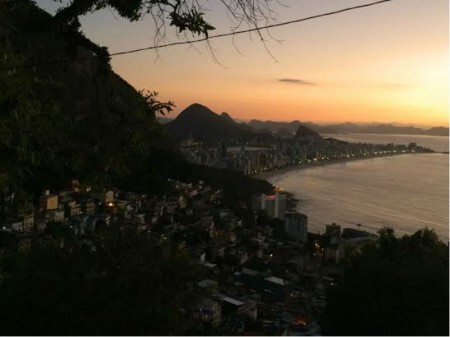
[{"x": 274, "y": 204}]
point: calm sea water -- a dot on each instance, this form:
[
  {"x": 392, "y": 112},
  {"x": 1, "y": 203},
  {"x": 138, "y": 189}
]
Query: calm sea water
[{"x": 406, "y": 192}]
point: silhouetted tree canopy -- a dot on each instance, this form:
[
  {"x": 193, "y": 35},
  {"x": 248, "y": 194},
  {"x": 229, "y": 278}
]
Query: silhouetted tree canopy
[
  {"x": 118, "y": 283},
  {"x": 397, "y": 286},
  {"x": 184, "y": 15},
  {"x": 68, "y": 117},
  {"x": 71, "y": 116}
]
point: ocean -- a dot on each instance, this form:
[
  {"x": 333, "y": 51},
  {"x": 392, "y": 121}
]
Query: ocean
[{"x": 406, "y": 192}]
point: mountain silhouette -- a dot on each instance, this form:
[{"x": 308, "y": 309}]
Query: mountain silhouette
[
  {"x": 199, "y": 122},
  {"x": 227, "y": 116},
  {"x": 306, "y": 133},
  {"x": 275, "y": 126},
  {"x": 348, "y": 127}
]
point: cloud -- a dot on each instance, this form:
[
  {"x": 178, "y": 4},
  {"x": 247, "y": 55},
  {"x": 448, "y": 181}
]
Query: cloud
[{"x": 295, "y": 81}]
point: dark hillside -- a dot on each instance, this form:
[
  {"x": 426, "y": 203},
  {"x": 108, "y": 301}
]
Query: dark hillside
[
  {"x": 65, "y": 114},
  {"x": 81, "y": 120}
]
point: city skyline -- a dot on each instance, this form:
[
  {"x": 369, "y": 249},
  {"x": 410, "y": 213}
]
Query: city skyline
[{"x": 386, "y": 63}]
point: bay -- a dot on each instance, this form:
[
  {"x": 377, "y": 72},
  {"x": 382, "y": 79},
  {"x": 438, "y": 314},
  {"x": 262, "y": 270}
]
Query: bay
[{"x": 406, "y": 192}]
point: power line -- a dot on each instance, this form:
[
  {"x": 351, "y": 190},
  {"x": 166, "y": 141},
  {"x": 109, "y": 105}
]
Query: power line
[
  {"x": 248, "y": 30},
  {"x": 172, "y": 44}
]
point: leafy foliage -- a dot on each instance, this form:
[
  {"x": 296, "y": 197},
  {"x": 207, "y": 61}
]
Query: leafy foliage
[
  {"x": 70, "y": 119},
  {"x": 154, "y": 106},
  {"x": 394, "y": 287},
  {"x": 121, "y": 283},
  {"x": 191, "y": 21},
  {"x": 184, "y": 15},
  {"x": 73, "y": 118}
]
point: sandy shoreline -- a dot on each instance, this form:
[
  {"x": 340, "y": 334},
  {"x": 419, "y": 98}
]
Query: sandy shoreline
[{"x": 272, "y": 173}]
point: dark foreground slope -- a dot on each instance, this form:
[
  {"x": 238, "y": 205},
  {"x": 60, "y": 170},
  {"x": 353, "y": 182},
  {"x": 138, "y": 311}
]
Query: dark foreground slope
[
  {"x": 392, "y": 287},
  {"x": 66, "y": 115},
  {"x": 74, "y": 117}
]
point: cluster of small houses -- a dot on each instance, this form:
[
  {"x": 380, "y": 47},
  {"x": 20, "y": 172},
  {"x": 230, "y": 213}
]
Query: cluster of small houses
[{"x": 255, "y": 283}]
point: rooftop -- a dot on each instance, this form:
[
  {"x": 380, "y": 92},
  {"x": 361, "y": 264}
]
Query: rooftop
[{"x": 276, "y": 280}]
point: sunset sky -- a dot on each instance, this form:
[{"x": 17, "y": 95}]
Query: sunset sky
[{"x": 386, "y": 63}]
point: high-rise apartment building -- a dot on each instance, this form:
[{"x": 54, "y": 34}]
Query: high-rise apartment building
[{"x": 273, "y": 204}]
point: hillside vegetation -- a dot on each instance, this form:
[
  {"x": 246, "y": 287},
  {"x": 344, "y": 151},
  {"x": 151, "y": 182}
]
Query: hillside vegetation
[
  {"x": 394, "y": 287},
  {"x": 66, "y": 115}
]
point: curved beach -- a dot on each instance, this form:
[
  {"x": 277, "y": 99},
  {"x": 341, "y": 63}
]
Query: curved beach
[{"x": 272, "y": 173}]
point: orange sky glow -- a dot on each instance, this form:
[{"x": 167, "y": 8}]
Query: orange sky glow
[{"x": 387, "y": 63}]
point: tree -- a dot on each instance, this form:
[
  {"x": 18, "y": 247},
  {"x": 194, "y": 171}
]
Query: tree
[
  {"x": 27, "y": 140},
  {"x": 396, "y": 287},
  {"x": 66, "y": 116},
  {"x": 122, "y": 283},
  {"x": 184, "y": 15},
  {"x": 45, "y": 140},
  {"x": 187, "y": 16}
]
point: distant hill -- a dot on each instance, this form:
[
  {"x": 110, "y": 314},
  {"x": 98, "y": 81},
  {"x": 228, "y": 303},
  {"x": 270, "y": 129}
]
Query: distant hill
[
  {"x": 437, "y": 131},
  {"x": 284, "y": 133},
  {"x": 227, "y": 116},
  {"x": 275, "y": 126},
  {"x": 382, "y": 129},
  {"x": 304, "y": 132},
  {"x": 348, "y": 128},
  {"x": 199, "y": 122}
]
